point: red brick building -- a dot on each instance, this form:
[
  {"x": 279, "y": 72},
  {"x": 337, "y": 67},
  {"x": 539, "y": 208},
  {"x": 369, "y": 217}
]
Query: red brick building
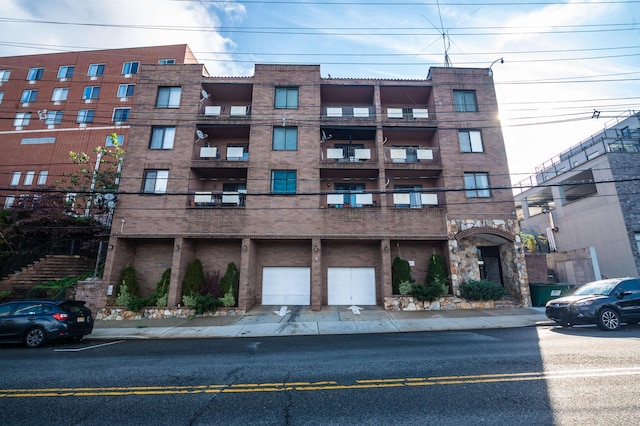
[
  {"x": 52, "y": 104},
  {"x": 312, "y": 185}
]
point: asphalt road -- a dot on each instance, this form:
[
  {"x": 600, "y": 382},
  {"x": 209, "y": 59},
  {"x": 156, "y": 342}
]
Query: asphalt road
[{"x": 536, "y": 376}]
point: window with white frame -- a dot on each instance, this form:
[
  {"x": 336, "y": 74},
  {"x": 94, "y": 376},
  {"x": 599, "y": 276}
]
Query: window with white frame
[
  {"x": 121, "y": 114},
  {"x": 35, "y": 74},
  {"x": 8, "y": 201},
  {"x": 125, "y": 90},
  {"x": 168, "y": 97},
  {"x": 15, "y": 178},
  {"x": 28, "y": 96},
  {"x": 162, "y": 137},
  {"x": 86, "y": 115},
  {"x": 110, "y": 141},
  {"x": 60, "y": 94},
  {"x": 42, "y": 177},
  {"x": 286, "y": 97},
  {"x": 28, "y": 178},
  {"x": 4, "y": 75},
  {"x": 95, "y": 70},
  {"x": 283, "y": 181},
  {"x": 53, "y": 117},
  {"x": 285, "y": 138},
  {"x": 22, "y": 119},
  {"x": 130, "y": 67},
  {"x": 66, "y": 71},
  {"x": 166, "y": 61},
  {"x": 155, "y": 181},
  {"x": 91, "y": 93},
  {"x": 470, "y": 141},
  {"x": 465, "y": 101},
  {"x": 477, "y": 185}
]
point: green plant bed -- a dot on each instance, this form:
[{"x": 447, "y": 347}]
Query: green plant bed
[{"x": 481, "y": 290}]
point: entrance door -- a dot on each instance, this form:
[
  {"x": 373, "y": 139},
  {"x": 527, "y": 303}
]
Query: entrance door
[
  {"x": 286, "y": 286},
  {"x": 351, "y": 286},
  {"x": 489, "y": 262}
]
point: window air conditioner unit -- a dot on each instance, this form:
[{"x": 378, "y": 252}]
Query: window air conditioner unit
[{"x": 212, "y": 111}]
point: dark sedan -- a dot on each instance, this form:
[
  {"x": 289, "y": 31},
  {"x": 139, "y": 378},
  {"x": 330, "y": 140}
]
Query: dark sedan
[
  {"x": 35, "y": 322},
  {"x": 606, "y": 303}
]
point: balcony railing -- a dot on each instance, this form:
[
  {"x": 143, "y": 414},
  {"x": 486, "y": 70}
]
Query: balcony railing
[
  {"x": 349, "y": 155},
  {"x": 229, "y": 153},
  {"x": 349, "y": 111},
  {"x": 411, "y": 155},
  {"x": 217, "y": 199},
  {"x": 406, "y": 113},
  {"x": 414, "y": 200},
  {"x": 352, "y": 200},
  {"x": 225, "y": 111}
]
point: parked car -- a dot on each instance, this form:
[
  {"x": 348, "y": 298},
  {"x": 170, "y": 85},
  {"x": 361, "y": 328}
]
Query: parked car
[
  {"x": 37, "y": 321},
  {"x": 606, "y": 303}
]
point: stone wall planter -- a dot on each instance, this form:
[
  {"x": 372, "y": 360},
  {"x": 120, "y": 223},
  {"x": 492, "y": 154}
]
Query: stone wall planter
[
  {"x": 118, "y": 313},
  {"x": 410, "y": 303}
]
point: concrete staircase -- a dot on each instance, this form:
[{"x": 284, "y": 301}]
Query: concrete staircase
[{"x": 49, "y": 268}]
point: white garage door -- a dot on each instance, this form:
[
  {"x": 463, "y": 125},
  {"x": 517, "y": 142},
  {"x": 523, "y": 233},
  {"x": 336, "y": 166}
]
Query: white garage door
[
  {"x": 351, "y": 286},
  {"x": 286, "y": 286}
]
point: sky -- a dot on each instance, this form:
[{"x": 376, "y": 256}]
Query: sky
[{"x": 562, "y": 60}]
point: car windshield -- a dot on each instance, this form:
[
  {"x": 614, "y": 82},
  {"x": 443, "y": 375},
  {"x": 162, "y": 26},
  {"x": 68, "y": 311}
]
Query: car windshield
[{"x": 602, "y": 288}]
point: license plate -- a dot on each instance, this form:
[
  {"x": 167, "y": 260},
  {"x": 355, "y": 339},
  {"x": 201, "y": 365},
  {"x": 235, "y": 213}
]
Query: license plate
[{"x": 80, "y": 319}]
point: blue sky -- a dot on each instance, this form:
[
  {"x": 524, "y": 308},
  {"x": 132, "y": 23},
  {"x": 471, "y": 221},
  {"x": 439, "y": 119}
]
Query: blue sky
[{"x": 562, "y": 60}]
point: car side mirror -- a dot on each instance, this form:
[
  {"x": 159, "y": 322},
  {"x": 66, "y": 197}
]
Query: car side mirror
[{"x": 622, "y": 293}]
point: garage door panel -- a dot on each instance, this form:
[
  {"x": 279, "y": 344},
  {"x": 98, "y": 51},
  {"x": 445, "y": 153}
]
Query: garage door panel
[
  {"x": 351, "y": 286},
  {"x": 286, "y": 286}
]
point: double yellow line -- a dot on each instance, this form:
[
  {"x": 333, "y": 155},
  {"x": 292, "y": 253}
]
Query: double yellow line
[{"x": 310, "y": 386}]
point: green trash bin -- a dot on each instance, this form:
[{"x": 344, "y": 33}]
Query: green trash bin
[{"x": 542, "y": 293}]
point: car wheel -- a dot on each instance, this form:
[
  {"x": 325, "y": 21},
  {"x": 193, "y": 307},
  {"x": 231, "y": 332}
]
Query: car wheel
[
  {"x": 35, "y": 337},
  {"x": 608, "y": 319}
]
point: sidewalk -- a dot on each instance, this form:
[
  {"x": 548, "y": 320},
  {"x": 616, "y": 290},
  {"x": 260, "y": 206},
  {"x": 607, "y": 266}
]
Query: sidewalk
[{"x": 300, "y": 320}]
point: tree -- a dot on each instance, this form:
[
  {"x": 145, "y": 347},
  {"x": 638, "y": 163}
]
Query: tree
[
  {"x": 400, "y": 271},
  {"x": 194, "y": 280},
  {"x": 231, "y": 280},
  {"x": 436, "y": 269}
]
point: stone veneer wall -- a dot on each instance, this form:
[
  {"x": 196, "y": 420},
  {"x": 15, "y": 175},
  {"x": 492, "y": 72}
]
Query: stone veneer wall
[
  {"x": 409, "y": 303},
  {"x": 120, "y": 313}
]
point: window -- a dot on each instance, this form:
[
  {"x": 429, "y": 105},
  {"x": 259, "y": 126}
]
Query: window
[
  {"x": 625, "y": 132},
  {"x": 66, "y": 71},
  {"x": 60, "y": 94},
  {"x": 166, "y": 61},
  {"x": 4, "y": 75},
  {"x": 110, "y": 142},
  {"x": 22, "y": 119},
  {"x": 285, "y": 138},
  {"x": 42, "y": 177},
  {"x": 155, "y": 181},
  {"x": 121, "y": 114},
  {"x": 8, "y": 201},
  {"x": 162, "y": 137},
  {"x": 1, "y": 96},
  {"x": 28, "y": 178},
  {"x": 130, "y": 68},
  {"x": 407, "y": 196},
  {"x": 85, "y": 115},
  {"x": 53, "y": 117},
  {"x": 15, "y": 178},
  {"x": 470, "y": 141},
  {"x": 168, "y": 97},
  {"x": 28, "y": 96},
  {"x": 35, "y": 74},
  {"x": 465, "y": 101},
  {"x": 91, "y": 92},
  {"x": 95, "y": 70},
  {"x": 477, "y": 185},
  {"x": 286, "y": 97},
  {"x": 125, "y": 90},
  {"x": 283, "y": 181}
]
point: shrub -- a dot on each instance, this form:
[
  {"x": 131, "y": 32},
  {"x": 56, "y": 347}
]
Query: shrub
[
  {"x": 430, "y": 291},
  {"x": 4, "y": 294},
  {"x": 206, "y": 303},
  {"x": 228, "y": 300},
  {"x": 162, "y": 287},
  {"x": 481, "y": 290},
  {"x": 400, "y": 271},
  {"x": 436, "y": 270},
  {"x": 133, "y": 302},
  {"x": 212, "y": 284},
  {"x": 405, "y": 287},
  {"x": 162, "y": 301},
  {"x": 128, "y": 278},
  {"x": 123, "y": 296},
  {"x": 194, "y": 280},
  {"x": 189, "y": 300},
  {"x": 231, "y": 280}
]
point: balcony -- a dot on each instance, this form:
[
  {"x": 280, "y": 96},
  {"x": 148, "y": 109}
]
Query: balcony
[
  {"x": 406, "y": 114},
  {"x": 349, "y": 155},
  {"x": 337, "y": 114},
  {"x": 206, "y": 199},
  {"x": 352, "y": 200},
  {"x": 223, "y": 112},
  {"x": 413, "y": 200},
  {"x": 237, "y": 153}
]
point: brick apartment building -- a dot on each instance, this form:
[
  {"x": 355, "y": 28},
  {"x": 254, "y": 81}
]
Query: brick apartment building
[
  {"x": 312, "y": 185},
  {"x": 52, "y": 104}
]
